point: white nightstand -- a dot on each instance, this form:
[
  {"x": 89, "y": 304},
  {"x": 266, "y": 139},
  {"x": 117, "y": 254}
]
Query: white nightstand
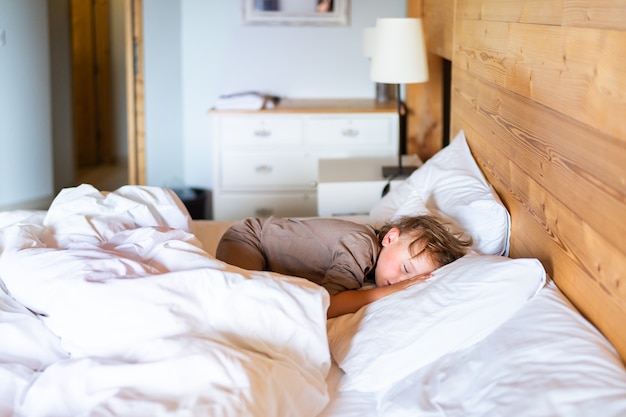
[
  {"x": 352, "y": 185},
  {"x": 266, "y": 162}
]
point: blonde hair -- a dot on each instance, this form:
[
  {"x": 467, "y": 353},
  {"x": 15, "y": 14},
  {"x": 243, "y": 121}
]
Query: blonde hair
[{"x": 442, "y": 245}]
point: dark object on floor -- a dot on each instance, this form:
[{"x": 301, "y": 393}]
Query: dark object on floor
[{"x": 196, "y": 200}]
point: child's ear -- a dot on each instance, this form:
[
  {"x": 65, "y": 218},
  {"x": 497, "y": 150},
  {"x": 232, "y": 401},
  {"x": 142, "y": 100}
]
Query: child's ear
[{"x": 391, "y": 236}]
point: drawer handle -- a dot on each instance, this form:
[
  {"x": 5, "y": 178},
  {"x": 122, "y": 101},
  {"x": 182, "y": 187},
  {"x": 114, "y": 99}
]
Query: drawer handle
[
  {"x": 264, "y": 169},
  {"x": 262, "y": 133},
  {"x": 263, "y": 212},
  {"x": 351, "y": 133}
]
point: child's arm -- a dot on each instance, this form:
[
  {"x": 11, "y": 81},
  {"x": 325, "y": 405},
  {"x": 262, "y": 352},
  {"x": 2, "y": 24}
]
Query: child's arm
[{"x": 352, "y": 300}]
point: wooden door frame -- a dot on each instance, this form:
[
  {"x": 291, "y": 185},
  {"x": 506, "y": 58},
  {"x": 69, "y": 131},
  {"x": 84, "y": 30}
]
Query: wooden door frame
[{"x": 135, "y": 98}]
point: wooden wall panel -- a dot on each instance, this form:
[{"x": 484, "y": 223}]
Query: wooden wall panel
[
  {"x": 543, "y": 156},
  {"x": 438, "y": 27},
  {"x": 572, "y": 70},
  {"x": 554, "y": 150},
  {"x": 529, "y": 11},
  {"x": 585, "y": 265},
  {"x": 425, "y": 117},
  {"x": 539, "y": 88},
  {"x": 603, "y": 14},
  {"x": 414, "y": 8},
  {"x": 425, "y": 130},
  {"x": 425, "y": 101}
]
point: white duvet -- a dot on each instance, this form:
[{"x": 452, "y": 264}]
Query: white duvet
[{"x": 133, "y": 318}]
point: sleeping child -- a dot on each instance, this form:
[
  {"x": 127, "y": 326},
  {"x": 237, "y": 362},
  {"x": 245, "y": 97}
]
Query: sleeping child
[{"x": 342, "y": 255}]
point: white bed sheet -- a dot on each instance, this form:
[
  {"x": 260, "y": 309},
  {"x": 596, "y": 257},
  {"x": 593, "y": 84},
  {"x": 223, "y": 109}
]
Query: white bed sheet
[
  {"x": 135, "y": 319},
  {"x": 341, "y": 403},
  {"x": 449, "y": 388},
  {"x": 348, "y": 403}
]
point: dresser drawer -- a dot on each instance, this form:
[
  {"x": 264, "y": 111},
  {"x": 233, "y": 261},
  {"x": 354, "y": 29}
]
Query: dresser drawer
[
  {"x": 229, "y": 206},
  {"x": 268, "y": 170},
  {"x": 349, "y": 132},
  {"x": 261, "y": 131},
  {"x": 266, "y": 162}
]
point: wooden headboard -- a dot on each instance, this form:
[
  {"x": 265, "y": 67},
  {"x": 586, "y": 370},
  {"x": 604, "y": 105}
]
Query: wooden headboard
[{"x": 539, "y": 87}]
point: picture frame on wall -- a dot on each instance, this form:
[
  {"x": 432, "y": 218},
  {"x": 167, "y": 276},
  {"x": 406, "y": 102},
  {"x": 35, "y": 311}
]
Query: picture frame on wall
[{"x": 296, "y": 12}]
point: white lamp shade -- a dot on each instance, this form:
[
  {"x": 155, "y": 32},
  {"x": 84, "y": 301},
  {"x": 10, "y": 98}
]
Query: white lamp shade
[
  {"x": 368, "y": 41},
  {"x": 399, "y": 53}
]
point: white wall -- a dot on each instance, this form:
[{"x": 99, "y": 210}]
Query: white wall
[
  {"x": 25, "y": 115},
  {"x": 211, "y": 52},
  {"x": 163, "y": 91},
  {"x": 195, "y": 50}
]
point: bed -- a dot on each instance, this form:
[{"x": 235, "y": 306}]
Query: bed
[{"x": 113, "y": 305}]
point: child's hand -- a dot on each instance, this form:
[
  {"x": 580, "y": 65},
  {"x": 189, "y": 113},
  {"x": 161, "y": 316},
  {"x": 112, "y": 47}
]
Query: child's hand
[
  {"x": 350, "y": 301},
  {"x": 404, "y": 284},
  {"x": 411, "y": 281}
]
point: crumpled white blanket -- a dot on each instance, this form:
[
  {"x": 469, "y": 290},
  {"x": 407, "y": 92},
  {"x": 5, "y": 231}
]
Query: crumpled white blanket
[{"x": 134, "y": 318}]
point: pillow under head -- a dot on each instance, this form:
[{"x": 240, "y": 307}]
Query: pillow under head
[
  {"x": 460, "y": 305},
  {"x": 451, "y": 186}
]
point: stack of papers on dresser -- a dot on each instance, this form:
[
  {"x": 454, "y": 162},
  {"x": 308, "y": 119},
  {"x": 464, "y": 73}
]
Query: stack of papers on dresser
[{"x": 246, "y": 101}]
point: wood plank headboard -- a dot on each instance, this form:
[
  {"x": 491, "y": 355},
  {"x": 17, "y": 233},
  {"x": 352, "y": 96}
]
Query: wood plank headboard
[{"x": 539, "y": 87}]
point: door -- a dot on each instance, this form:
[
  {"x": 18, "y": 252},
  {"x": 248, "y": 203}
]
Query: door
[
  {"x": 96, "y": 142},
  {"x": 91, "y": 83}
]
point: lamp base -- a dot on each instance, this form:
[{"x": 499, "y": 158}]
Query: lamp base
[
  {"x": 398, "y": 171},
  {"x": 385, "y": 92}
]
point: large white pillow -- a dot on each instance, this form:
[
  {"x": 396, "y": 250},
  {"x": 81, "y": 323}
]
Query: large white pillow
[
  {"x": 546, "y": 361},
  {"x": 451, "y": 186},
  {"x": 462, "y": 303}
]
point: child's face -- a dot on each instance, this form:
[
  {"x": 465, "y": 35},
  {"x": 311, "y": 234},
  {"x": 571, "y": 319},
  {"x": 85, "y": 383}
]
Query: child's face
[{"x": 396, "y": 263}]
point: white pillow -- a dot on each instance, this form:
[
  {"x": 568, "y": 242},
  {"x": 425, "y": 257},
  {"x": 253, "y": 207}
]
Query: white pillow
[
  {"x": 451, "y": 186},
  {"x": 546, "y": 361},
  {"x": 462, "y": 303}
]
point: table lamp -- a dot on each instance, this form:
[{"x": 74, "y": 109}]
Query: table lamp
[
  {"x": 399, "y": 57},
  {"x": 384, "y": 92}
]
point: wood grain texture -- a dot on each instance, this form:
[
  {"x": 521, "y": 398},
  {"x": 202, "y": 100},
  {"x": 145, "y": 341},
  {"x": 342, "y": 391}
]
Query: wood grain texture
[
  {"x": 135, "y": 100},
  {"x": 554, "y": 150},
  {"x": 602, "y": 14},
  {"x": 572, "y": 70},
  {"x": 83, "y": 80},
  {"x": 438, "y": 27},
  {"x": 529, "y": 11},
  {"x": 103, "y": 82},
  {"x": 92, "y": 110},
  {"x": 425, "y": 117},
  {"x": 332, "y": 105},
  {"x": 539, "y": 87},
  {"x": 425, "y": 101}
]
